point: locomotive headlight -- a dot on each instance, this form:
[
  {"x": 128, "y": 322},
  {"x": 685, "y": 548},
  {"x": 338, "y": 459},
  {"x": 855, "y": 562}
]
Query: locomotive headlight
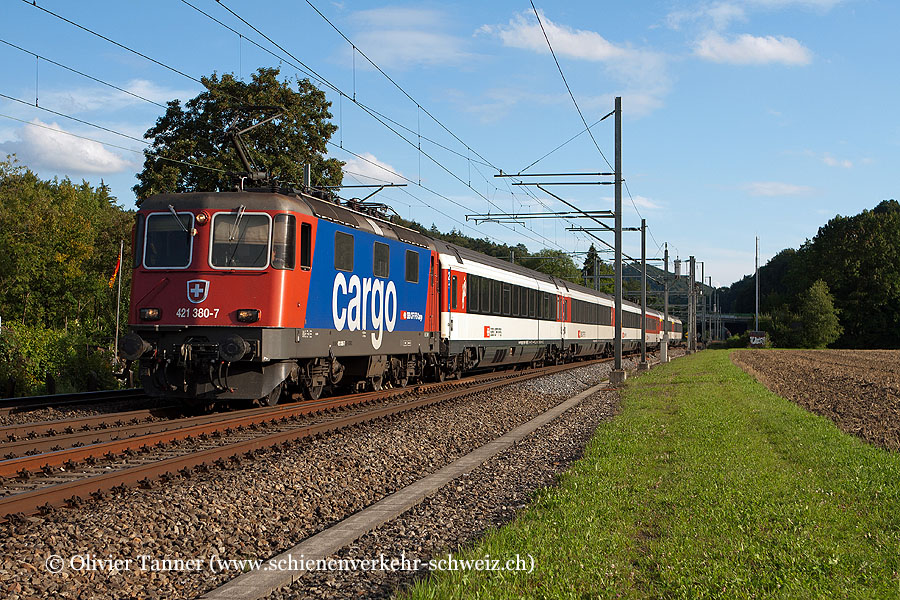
[
  {"x": 202, "y": 218},
  {"x": 150, "y": 314},
  {"x": 248, "y": 315}
]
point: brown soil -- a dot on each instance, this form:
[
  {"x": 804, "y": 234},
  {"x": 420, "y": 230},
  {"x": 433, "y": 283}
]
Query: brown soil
[{"x": 857, "y": 389}]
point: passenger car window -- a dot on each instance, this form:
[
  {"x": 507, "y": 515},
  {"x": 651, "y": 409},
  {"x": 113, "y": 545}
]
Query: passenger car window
[
  {"x": 472, "y": 281},
  {"x": 453, "y": 290},
  {"x": 495, "y": 297}
]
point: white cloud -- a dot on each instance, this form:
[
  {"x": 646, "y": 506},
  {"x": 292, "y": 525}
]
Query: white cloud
[
  {"x": 644, "y": 202},
  {"x": 370, "y": 170},
  {"x": 718, "y": 16},
  {"x": 746, "y": 49},
  {"x": 814, "y": 4},
  {"x": 642, "y": 74},
  {"x": 104, "y": 98},
  {"x": 400, "y": 38},
  {"x": 776, "y": 188},
  {"x": 47, "y": 145},
  {"x": 837, "y": 162},
  {"x": 523, "y": 31}
]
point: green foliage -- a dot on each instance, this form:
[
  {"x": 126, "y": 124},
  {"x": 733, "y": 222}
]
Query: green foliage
[
  {"x": 60, "y": 243},
  {"x": 197, "y": 134},
  {"x": 606, "y": 285},
  {"x": 818, "y": 317},
  {"x": 812, "y": 323},
  {"x": 738, "y": 340},
  {"x": 28, "y": 354},
  {"x": 553, "y": 262},
  {"x": 857, "y": 258}
]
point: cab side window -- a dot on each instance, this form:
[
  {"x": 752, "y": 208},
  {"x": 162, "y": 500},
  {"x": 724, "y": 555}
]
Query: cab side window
[
  {"x": 412, "y": 266},
  {"x": 343, "y": 251},
  {"x": 284, "y": 242},
  {"x": 305, "y": 246}
]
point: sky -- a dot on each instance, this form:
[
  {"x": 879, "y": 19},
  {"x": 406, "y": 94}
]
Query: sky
[{"x": 740, "y": 118}]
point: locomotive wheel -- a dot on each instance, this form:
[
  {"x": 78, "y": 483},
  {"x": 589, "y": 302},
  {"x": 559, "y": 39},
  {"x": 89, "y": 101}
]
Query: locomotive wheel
[
  {"x": 272, "y": 398},
  {"x": 312, "y": 392}
]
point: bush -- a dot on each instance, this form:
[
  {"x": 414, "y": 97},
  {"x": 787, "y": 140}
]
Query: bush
[{"x": 28, "y": 354}]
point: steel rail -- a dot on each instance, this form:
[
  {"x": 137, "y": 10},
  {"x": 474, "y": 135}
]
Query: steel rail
[
  {"x": 28, "y": 403},
  {"x": 70, "y": 492},
  {"x": 115, "y": 419}
]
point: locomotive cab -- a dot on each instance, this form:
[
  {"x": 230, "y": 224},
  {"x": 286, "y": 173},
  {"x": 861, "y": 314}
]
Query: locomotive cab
[{"x": 217, "y": 278}]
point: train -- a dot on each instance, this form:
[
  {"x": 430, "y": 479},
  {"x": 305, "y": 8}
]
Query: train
[{"x": 270, "y": 294}]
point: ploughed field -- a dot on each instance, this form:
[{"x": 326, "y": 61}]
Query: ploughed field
[{"x": 857, "y": 389}]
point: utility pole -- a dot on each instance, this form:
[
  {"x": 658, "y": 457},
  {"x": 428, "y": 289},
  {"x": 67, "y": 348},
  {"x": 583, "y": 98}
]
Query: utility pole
[
  {"x": 756, "y": 320},
  {"x": 703, "y": 301},
  {"x": 692, "y": 308},
  {"x": 643, "y": 366},
  {"x": 664, "y": 346},
  {"x": 617, "y": 377},
  {"x": 120, "y": 270}
]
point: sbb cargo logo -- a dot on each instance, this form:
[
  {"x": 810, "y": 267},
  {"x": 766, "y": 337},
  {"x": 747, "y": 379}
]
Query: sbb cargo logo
[
  {"x": 409, "y": 315},
  {"x": 490, "y": 332},
  {"x": 360, "y": 303},
  {"x": 581, "y": 333}
]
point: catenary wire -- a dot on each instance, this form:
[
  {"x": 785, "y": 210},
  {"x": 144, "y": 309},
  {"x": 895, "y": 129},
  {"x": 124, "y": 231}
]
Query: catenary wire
[
  {"x": 91, "y": 77},
  {"x": 303, "y": 68}
]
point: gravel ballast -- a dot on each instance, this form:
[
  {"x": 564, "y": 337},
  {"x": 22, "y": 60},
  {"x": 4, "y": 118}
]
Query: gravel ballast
[{"x": 271, "y": 503}]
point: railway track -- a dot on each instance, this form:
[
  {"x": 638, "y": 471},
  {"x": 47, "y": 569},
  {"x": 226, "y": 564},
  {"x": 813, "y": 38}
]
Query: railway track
[
  {"x": 29, "y": 403},
  {"x": 74, "y": 467}
]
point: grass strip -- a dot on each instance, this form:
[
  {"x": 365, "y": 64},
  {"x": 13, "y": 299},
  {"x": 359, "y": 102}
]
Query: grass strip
[{"x": 706, "y": 485}]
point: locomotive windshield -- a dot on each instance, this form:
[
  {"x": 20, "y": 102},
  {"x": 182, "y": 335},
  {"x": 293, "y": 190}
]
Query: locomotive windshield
[
  {"x": 240, "y": 241},
  {"x": 168, "y": 244}
]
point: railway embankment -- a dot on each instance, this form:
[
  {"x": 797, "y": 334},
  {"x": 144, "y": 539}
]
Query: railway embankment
[{"x": 706, "y": 485}]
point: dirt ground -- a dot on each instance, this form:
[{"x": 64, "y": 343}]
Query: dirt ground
[{"x": 857, "y": 389}]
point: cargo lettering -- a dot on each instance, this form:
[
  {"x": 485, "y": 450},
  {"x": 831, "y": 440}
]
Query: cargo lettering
[{"x": 356, "y": 302}]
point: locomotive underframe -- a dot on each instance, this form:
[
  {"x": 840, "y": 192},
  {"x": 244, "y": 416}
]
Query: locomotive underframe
[{"x": 187, "y": 362}]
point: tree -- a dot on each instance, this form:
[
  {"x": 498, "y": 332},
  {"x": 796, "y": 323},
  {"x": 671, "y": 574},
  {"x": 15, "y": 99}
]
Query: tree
[
  {"x": 196, "y": 134},
  {"x": 591, "y": 262},
  {"x": 60, "y": 243},
  {"x": 818, "y": 317},
  {"x": 859, "y": 258},
  {"x": 554, "y": 262}
]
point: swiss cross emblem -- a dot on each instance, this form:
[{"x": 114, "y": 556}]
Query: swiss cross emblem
[{"x": 197, "y": 289}]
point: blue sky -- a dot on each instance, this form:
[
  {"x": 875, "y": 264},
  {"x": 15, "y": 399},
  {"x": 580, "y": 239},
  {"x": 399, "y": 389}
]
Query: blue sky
[{"x": 741, "y": 118}]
